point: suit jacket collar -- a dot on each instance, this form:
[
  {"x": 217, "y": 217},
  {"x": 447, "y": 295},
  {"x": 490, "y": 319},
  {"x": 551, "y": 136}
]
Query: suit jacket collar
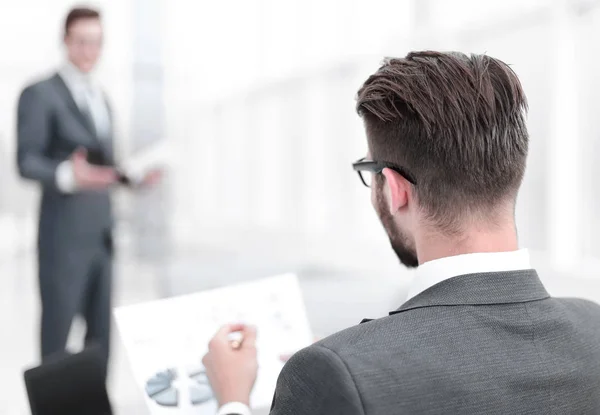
[
  {"x": 433, "y": 272},
  {"x": 65, "y": 93},
  {"x": 478, "y": 289}
]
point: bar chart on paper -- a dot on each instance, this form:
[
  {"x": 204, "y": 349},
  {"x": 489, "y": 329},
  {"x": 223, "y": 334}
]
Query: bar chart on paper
[{"x": 166, "y": 340}]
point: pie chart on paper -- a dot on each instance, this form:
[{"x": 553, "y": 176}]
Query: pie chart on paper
[{"x": 164, "y": 388}]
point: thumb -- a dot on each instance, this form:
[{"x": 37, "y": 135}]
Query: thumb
[
  {"x": 285, "y": 357},
  {"x": 249, "y": 336},
  {"x": 80, "y": 154}
]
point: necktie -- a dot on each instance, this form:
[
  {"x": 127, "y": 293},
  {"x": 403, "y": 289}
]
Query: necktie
[
  {"x": 87, "y": 113},
  {"x": 95, "y": 111}
]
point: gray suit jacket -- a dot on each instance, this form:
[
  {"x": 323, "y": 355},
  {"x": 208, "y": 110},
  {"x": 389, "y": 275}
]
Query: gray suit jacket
[
  {"x": 50, "y": 127},
  {"x": 493, "y": 343}
]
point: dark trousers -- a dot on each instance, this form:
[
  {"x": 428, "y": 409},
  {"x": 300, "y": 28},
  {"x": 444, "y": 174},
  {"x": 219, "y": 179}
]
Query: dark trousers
[{"x": 75, "y": 281}]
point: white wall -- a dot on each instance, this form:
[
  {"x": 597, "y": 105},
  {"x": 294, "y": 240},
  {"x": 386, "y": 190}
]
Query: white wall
[
  {"x": 272, "y": 152},
  {"x": 588, "y": 83},
  {"x": 259, "y": 105},
  {"x": 259, "y": 99}
]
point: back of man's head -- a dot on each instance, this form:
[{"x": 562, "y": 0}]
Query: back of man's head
[{"x": 457, "y": 123}]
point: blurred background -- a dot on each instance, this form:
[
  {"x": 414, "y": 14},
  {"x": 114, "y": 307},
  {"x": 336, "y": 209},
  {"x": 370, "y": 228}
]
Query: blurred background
[{"x": 256, "y": 98}]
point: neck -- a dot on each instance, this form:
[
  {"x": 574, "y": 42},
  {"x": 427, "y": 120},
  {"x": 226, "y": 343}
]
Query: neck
[
  {"x": 477, "y": 239},
  {"x": 75, "y": 69}
]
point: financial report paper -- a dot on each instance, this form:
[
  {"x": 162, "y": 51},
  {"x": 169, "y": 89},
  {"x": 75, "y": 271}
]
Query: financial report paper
[{"x": 166, "y": 339}]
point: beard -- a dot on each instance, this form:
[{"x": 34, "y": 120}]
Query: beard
[{"x": 404, "y": 249}]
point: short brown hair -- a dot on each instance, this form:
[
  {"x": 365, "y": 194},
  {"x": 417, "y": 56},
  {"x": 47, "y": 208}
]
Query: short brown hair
[
  {"x": 79, "y": 13},
  {"x": 457, "y": 123}
]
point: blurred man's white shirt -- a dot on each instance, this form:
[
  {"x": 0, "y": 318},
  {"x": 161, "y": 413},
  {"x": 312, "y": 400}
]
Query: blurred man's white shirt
[{"x": 88, "y": 96}]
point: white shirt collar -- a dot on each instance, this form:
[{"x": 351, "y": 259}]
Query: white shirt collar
[
  {"x": 431, "y": 273},
  {"x": 73, "y": 77}
]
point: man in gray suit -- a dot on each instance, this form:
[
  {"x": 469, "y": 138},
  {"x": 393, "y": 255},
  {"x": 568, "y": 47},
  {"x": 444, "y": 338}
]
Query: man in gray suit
[
  {"x": 479, "y": 334},
  {"x": 65, "y": 143}
]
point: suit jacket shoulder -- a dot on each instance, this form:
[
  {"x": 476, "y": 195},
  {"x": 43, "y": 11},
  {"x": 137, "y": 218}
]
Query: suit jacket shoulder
[
  {"x": 471, "y": 356},
  {"x": 41, "y": 83},
  {"x": 316, "y": 381},
  {"x": 584, "y": 312},
  {"x": 41, "y": 90},
  {"x": 580, "y": 305},
  {"x": 378, "y": 334},
  {"x": 492, "y": 343}
]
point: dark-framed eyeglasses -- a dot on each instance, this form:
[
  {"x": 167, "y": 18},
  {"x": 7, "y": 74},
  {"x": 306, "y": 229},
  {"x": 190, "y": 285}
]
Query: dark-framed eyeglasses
[
  {"x": 82, "y": 42},
  {"x": 366, "y": 169}
]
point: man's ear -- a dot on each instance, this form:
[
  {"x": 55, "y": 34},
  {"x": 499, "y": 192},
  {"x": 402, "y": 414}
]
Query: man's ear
[{"x": 398, "y": 189}]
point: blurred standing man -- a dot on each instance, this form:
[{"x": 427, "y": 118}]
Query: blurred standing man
[{"x": 65, "y": 142}]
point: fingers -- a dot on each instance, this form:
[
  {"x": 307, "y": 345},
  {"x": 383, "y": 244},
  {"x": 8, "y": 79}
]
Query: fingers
[
  {"x": 91, "y": 177},
  {"x": 80, "y": 154},
  {"x": 102, "y": 176},
  {"x": 97, "y": 178},
  {"x": 227, "y": 329},
  {"x": 249, "y": 336},
  {"x": 107, "y": 172},
  {"x": 222, "y": 336}
]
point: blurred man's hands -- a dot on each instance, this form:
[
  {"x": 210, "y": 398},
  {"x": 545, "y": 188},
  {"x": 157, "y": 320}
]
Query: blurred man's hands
[
  {"x": 152, "y": 178},
  {"x": 88, "y": 176},
  {"x": 232, "y": 371}
]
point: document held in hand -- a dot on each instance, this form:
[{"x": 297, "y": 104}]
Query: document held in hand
[
  {"x": 166, "y": 340},
  {"x": 154, "y": 156}
]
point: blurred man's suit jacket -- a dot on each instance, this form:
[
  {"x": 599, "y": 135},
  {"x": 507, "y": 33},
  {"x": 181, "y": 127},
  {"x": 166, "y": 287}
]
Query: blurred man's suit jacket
[
  {"x": 74, "y": 238},
  {"x": 478, "y": 343}
]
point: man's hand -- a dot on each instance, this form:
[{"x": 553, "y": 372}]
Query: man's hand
[
  {"x": 88, "y": 176},
  {"x": 152, "y": 178},
  {"x": 232, "y": 371}
]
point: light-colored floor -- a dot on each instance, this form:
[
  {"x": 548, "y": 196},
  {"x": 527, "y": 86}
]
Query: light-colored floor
[
  {"x": 334, "y": 300},
  {"x": 19, "y": 311}
]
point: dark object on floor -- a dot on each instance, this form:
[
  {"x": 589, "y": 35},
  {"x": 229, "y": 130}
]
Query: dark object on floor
[{"x": 69, "y": 385}]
